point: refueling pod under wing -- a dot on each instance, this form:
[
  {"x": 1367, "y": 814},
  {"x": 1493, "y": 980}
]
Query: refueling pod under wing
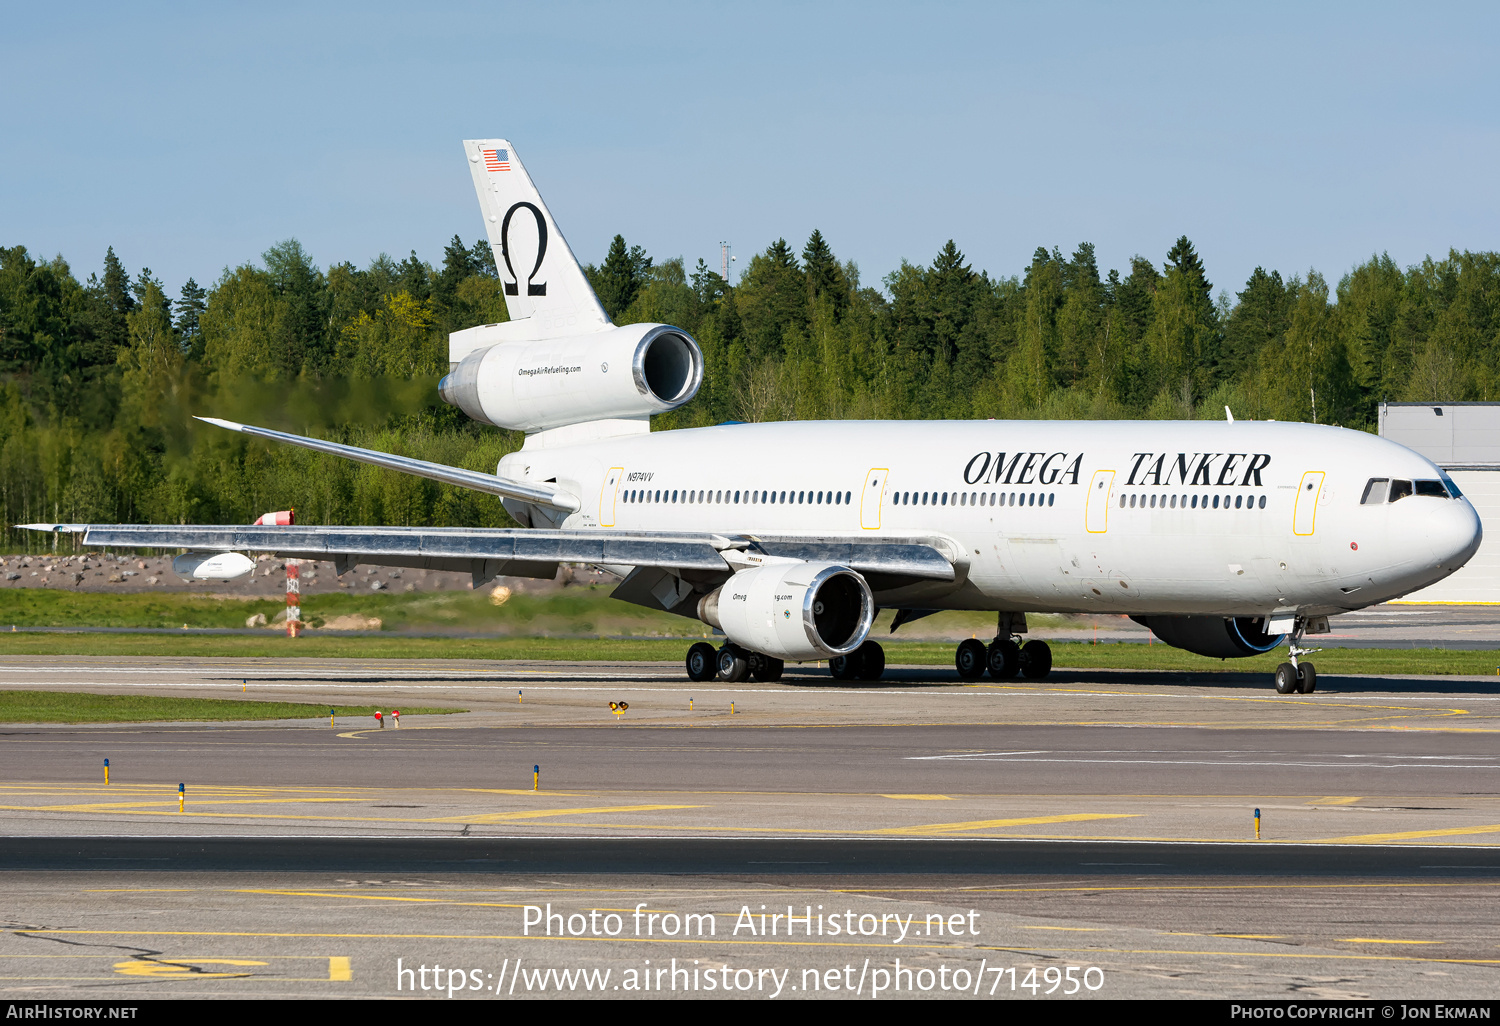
[{"x": 212, "y": 566}]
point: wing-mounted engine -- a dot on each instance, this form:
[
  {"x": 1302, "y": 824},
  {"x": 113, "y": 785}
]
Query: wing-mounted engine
[
  {"x": 793, "y": 610},
  {"x": 619, "y": 373},
  {"x": 1219, "y": 637}
]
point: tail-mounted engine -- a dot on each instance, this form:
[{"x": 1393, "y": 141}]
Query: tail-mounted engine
[
  {"x": 628, "y": 372},
  {"x": 794, "y": 611}
]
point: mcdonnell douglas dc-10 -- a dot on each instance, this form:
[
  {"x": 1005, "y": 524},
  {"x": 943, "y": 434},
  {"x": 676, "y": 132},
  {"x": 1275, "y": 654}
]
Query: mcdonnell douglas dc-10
[{"x": 1225, "y": 539}]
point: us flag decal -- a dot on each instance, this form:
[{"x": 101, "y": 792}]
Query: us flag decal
[{"x": 496, "y": 160}]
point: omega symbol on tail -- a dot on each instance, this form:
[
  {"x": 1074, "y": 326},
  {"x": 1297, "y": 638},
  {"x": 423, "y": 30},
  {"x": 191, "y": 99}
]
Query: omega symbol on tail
[{"x": 532, "y": 288}]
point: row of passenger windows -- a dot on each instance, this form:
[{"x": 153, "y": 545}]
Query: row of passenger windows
[
  {"x": 973, "y": 498},
  {"x": 1376, "y": 490},
  {"x": 752, "y": 497},
  {"x": 672, "y": 495},
  {"x": 1192, "y": 502}
]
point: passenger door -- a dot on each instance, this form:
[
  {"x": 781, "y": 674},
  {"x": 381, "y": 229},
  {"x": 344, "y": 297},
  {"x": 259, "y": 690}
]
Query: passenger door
[
  {"x": 1096, "y": 519},
  {"x": 870, "y": 500},
  {"x": 608, "y": 494},
  {"x": 1305, "y": 512}
]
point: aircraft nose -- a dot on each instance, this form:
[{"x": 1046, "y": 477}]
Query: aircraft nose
[{"x": 1454, "y": 534}]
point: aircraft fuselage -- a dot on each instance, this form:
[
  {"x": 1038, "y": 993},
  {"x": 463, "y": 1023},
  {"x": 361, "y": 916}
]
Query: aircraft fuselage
[{"x": 1218, "y": 518}]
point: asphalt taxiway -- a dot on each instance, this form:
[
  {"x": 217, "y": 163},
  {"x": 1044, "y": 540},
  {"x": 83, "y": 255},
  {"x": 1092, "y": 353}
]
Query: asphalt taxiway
[{"x": 1099, "y": 819}]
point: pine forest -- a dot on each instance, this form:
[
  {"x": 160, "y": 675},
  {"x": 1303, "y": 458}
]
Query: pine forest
[{"x": 100, "y": 378}]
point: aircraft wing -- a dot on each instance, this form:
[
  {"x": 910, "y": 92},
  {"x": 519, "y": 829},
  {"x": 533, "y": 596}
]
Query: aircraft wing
[
  {"x": 493, "y": 552},
  {"x": 659, "y": 562},
  {"x": 527, "y": 491}
]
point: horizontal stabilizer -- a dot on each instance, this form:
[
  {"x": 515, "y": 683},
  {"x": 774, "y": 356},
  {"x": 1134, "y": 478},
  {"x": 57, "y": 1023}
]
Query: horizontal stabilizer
[{"x": 541, "y": 494}]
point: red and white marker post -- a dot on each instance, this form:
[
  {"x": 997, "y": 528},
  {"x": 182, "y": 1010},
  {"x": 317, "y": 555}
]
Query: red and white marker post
[
  {"x": 285, "y": 518},
  {"x": 293, "y": 599}
]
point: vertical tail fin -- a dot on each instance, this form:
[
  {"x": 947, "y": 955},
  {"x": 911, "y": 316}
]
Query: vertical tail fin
[{"x": 544, "y": 286}]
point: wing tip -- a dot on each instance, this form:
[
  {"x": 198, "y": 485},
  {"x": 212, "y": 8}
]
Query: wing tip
[{"x": 220, "y": 422}]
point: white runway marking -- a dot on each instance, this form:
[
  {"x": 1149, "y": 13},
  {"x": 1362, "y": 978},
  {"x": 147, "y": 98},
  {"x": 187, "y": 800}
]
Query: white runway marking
[
  {"x": 1388, "y": 612},
  {"x": 1408, "y": 762}
]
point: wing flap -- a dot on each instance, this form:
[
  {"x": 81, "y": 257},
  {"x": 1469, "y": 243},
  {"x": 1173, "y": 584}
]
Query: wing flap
[
  {"x": 899, "y": 558},
  {"x": 370, "y": 544}
]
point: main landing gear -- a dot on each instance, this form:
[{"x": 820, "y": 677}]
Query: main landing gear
[
  {"x": 867, "y": 662},
  {"x": 1005, "y": 657},
  {"x": 1295, "y": 677},
  {"x": 731, "y": 664}
]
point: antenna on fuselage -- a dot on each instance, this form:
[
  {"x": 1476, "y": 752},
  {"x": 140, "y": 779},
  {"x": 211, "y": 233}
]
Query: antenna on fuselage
[{"x": 1228, "y": 416}]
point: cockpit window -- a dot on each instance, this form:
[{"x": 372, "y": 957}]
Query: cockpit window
[
  {"x": 1400, "y": 490},
  {"x": 1452, "y": 488},
  {"x": 1375, "y": 491},
  {"x": 1433, "y": 488}
]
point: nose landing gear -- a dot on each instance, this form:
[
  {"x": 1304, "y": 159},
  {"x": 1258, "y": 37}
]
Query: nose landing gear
[{"x": 1294, "y": 677}]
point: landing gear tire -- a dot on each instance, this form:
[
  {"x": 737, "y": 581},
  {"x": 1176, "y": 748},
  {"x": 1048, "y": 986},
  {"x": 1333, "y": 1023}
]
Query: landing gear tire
[
  {"x": 1036, "y": 659},
  {"x": 1308, "y": 678},
  {"x": 845, "y": 667},
  {"x": 1003, "y": 659},
  {"x": 1286, "y": 679},
  {"x": 871, "y": 660},
  {"x": 734, "y": 665},
  {"x": 970, "y": 659},
  {"x": 765, "y": 668},
  {"x": 702, "y": 662}
]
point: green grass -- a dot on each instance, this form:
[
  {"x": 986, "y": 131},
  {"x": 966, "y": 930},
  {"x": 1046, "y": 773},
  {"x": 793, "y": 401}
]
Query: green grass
[
  {"x": 583, "y": 611},
  {"x": 81, "y": 707},
  {"x": 273, "y": 645},
  {"x": 53, "y": 607},
  {"x": 1079, "y": 655}
]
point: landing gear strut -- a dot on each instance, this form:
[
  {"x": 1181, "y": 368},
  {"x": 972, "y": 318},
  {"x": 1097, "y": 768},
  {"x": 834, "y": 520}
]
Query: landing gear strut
[{"x": 1293, "y": 677}]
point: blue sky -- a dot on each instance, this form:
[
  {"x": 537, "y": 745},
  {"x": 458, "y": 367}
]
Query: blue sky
[{"x": 1292, "y": 136}]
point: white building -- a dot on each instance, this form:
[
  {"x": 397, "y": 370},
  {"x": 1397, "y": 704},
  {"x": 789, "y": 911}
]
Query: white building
[{"x": 1463, "y": 439}]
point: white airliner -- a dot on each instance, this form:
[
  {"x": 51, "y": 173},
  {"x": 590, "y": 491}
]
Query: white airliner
[{"x": 1224, "y": 538}]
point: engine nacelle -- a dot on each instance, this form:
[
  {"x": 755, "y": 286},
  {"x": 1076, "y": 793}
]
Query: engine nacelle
[
  {"x": 633, "y": 371},
  {"x": 797, "y": 611},
  {"x": 212, "y": 566},
  {"x": 1221, "y": 638}
]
